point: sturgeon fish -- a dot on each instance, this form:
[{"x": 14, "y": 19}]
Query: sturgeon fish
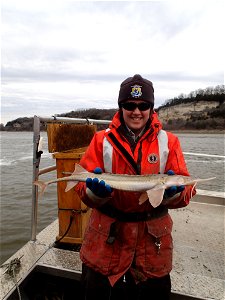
[{"x": 151, "y": 186}]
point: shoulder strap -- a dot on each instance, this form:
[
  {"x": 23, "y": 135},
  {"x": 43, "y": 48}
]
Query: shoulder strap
[
  {"x": 108, "y": 151},
  {"x": 163, "y": 149}
]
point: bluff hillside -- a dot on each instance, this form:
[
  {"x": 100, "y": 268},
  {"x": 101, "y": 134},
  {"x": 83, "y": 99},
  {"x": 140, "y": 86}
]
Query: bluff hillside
[{"x": 201, "y": 109}]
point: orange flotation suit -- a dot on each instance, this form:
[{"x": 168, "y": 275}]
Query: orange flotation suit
[{"x": 143, "y": 246}]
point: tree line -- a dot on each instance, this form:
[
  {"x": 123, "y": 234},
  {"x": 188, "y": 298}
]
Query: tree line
[{"x": 216, "y": 93}]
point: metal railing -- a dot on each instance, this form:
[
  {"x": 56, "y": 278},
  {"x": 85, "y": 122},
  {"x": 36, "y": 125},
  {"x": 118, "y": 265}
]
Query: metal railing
[
  {"x": 74, "y": 120},
  {"x": 204, "y": 155},
  {"x": 37, "y": 157}
]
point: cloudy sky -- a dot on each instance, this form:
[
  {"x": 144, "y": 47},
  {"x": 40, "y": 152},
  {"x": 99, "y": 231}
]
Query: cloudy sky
[{"x": 63, "y": 55}]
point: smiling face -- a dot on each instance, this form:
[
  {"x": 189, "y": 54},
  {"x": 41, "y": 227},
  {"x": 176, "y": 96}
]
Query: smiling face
[{"x": 136, "y": 119}]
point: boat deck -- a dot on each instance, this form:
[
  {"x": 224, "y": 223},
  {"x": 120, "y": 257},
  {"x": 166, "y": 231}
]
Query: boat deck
[{"x": 198, "y": 266}]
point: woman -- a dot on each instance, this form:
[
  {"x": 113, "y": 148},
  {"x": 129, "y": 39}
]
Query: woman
[{"x": 127, "y": 247}]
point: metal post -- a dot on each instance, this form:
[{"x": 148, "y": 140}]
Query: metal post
[
  {"x": 37, "y": 156},
  {"x": 36, "y": 161}
]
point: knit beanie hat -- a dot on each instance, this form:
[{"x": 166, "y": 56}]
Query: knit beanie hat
[{"x": 136, "y": 88}]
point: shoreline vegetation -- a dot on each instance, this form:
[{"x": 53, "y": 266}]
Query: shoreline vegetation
[
  {"x": 202, "y": 131},
  {"x": 201, "y": 111}
]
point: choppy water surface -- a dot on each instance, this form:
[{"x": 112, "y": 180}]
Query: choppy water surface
[{"x": 16, "y": 181}]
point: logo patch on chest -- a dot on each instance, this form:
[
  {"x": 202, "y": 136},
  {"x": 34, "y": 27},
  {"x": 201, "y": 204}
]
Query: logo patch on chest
[{"x": 153, "y": 158}]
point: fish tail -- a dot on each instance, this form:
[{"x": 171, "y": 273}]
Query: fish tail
[{"x": 42, "y": 185}]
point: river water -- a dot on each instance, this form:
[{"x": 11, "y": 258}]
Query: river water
[{"x": 16, "y": 181}]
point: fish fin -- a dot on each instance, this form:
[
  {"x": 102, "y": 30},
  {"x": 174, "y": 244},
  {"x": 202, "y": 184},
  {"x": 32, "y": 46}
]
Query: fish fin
[
  {"x": 79, "y": 169},
  {"x": 143, "y": 198},
  {"x": 155, "y": 195},
  {"x": 192, "y": 189},
  {"x": 42, "y": 185},
  {"x": 70, "y": 185}
]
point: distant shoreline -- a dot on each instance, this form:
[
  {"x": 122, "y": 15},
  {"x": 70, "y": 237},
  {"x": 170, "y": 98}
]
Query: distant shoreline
[
  {"x": 197, "y": 131},
  {"x": 203, "y": 131}
]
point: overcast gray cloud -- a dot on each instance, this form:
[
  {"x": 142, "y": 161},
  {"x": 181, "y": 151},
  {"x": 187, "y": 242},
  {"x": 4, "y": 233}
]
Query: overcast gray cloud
[{"x": 63, "y": 55}]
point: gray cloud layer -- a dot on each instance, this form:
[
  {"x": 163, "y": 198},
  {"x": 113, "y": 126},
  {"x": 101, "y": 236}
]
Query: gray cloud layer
[{"x": 62, "y": 55}]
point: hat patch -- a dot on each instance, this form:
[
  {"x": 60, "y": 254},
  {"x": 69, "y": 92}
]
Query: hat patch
[
  {"x": 153, "y": 158},
  {"x": 136, "y": 91}
]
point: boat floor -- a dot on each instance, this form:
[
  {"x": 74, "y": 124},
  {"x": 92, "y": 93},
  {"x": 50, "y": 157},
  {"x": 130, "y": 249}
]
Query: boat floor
[{"x": 198, "y": 263}]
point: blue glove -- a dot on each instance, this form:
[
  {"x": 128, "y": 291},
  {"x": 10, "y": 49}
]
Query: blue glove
[
  {"x": 170, "y": 192},
  {"x": 99, "y": 188}
]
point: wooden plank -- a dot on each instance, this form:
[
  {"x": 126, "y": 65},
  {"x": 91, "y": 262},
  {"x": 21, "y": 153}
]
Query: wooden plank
[
  {"x": 68, "y": 143},
  {"x": 69, "y": 203},
  {"x": 62, "y": 137},
  {"x": 72, "y": 154}
]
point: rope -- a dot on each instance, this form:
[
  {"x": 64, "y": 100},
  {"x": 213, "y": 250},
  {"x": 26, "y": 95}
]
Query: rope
[
  {"x": 15, "y": 263},
  {"x": 16, "y": 283},
  {"x": 12, "y": 267},
  {"x": 72, "y": 217},
  {"x": 67, "y": 230}
]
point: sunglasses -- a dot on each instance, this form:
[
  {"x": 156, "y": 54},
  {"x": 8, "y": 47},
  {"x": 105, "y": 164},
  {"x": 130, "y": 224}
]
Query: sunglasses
[{"x": 132, "y": 106}]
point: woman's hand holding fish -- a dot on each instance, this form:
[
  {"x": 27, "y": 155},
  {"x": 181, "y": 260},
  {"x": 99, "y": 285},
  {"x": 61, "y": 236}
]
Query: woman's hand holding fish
[
  {"x": 173, "y": 190},
  {"x": 97, "y": 189}
]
